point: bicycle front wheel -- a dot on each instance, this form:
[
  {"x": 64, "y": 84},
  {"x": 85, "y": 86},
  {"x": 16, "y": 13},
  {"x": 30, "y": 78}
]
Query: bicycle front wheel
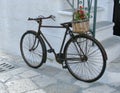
[
  {"x": 33, "y": 49},
  {"x": 85, "y": 58}
]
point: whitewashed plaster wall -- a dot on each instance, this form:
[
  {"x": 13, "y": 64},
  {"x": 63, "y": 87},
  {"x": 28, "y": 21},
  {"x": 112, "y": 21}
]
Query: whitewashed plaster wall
[
  {"x": 107, "y": 5},
  {"x": 13, "y": 21}
]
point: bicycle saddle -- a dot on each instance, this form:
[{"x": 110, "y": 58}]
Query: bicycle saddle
[{"x": 67, "y": 24}]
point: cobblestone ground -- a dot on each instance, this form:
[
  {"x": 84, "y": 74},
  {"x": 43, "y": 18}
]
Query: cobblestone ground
[{"x": 17, "y": 77}]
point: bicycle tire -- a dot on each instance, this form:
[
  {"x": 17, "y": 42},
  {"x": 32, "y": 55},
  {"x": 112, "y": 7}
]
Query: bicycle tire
[
  {"x": 85, "y": 67},
  {"x": 33, "y": 49}
]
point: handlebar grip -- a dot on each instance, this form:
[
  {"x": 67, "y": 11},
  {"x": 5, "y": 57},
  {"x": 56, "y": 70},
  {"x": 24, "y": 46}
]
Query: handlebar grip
[
  {"x": 52, "y": 17},
  {"x": 30, "y": 19}
]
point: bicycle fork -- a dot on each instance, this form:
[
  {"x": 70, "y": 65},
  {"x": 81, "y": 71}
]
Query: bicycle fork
[{"x": 35, "y": 45}]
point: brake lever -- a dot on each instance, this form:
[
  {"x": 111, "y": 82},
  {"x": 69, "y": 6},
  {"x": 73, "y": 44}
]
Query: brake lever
[{"x": 52, "y": 17}]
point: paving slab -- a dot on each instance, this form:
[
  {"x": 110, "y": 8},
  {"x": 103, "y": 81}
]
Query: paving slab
[
  {"x": 62, "y": 87},
  {"x": 99, "y": 89},
  {"x": 114, "y": 66},
  {"x": 20, "y": 86},
  {"x": 5, "y": 77},
  {"x": 117, "y": 92},
  {"x": 43, "y": 80},
  {"x": 36, "y": 91},
  {"x": 3, "y": 88},
  {"x": 65, "y": 76},
  {"x": 29, "y": 74},
  {"x": 83, "y": 84},
  {"x": 8, "y": 75},
  {"x": 15, "y": 77},
  {"x": 18, "y": 71},
  {"x": 48, "y": 70},
  {"x": 111, "y": 78}
]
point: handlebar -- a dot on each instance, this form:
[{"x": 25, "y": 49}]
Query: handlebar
[{"x": 39, "y": 18}]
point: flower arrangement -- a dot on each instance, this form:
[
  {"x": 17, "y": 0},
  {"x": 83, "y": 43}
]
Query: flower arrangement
[
  {"x": 80, "y": 22},
  {"x": 80, "y": 14}
]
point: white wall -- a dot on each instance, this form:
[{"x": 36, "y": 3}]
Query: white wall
[
  {"x": 13, "y": 21},
  {"x": 108, "y": 9}
]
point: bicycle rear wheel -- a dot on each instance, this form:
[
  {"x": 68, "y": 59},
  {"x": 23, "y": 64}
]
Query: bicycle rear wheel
[
  {"x": 33, "y": 49},
  {"x": 85, "y": 58}
]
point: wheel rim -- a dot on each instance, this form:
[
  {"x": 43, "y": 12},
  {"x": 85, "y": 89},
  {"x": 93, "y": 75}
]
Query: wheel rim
[
  {"x": 90, "y": 66},
  {"x": 32, "y": 50}
]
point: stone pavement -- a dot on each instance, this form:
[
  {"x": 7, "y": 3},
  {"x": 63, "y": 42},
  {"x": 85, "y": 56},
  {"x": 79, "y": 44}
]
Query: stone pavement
[{"x": 17, "y": 77}]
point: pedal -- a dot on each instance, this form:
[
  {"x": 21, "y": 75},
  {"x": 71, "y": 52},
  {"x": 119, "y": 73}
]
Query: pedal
[{"x": 64, "y": 66}]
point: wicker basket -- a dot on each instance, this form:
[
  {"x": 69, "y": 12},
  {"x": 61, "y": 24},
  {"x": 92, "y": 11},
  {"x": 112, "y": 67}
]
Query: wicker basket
[{"x": 80, "y": 26}]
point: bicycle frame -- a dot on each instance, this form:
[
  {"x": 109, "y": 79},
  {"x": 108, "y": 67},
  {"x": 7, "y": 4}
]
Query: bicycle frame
[
  {"x": 59, "y": 56},
  {"x": 64, "y": 38}
]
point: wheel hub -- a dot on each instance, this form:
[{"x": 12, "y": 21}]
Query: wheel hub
[{"x": 84, "y": 58}]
